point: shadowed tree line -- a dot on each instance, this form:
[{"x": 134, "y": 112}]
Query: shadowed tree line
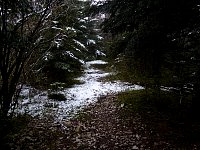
[{"x": 158, "y": 40}]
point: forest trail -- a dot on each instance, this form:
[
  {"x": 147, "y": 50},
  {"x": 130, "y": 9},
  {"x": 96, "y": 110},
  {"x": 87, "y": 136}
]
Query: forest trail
[
  {"x": 100, "y": 126},
  {"x": 103, "y": 126},
  {"x": 98, "y": 120},
  {"x": 79, "y": 96}
]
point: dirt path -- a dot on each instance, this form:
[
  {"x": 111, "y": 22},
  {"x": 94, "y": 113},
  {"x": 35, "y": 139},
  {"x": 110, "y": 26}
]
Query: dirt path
[
  {"x": 104, "y": 127},
  {"x": 101, "y": 126}
]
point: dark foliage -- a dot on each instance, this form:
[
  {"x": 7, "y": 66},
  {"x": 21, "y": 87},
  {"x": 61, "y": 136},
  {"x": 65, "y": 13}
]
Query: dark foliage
[
  {"x": 57, "y": 96},
  {"x": 21, "y": 23},
  {"x": 157, "y": 38}
]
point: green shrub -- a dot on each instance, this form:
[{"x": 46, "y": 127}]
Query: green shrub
[
  {"x": 162, "y": 103},
  {"x": 57, "y": 96}
]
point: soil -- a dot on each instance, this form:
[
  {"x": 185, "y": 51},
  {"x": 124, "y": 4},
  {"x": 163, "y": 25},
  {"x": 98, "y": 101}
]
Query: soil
[{"x": 102, "y": 125}]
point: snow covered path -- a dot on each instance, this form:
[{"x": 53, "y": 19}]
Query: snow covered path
[{"x": 78, "y": 97}]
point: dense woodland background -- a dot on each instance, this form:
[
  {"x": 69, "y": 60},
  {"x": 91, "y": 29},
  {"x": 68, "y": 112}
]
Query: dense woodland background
[
  {"x": 154, "y": 43},
  {"x": 158, "y": 44}
]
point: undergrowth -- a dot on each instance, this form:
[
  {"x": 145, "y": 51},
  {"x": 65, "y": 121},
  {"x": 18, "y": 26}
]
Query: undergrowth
[
  {"x": 57, "y": 96},
  {"x": 125, "y": 70},
  {"x": 163, "y": 113},
  {"x": 103, "y": 67},
  {"x": 11, "y": 126}
]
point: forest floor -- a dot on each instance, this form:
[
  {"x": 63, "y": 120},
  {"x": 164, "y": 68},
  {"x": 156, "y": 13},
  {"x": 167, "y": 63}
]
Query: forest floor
[
  {"x": 106, "y": 124},
  {"x": 102, "y": 125}
]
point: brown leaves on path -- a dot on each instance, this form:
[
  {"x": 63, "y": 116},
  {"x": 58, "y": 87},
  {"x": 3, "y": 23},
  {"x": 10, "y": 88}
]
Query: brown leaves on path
[{"x": 102, "y": 126}]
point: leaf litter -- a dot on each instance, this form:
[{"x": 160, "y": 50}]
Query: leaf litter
[
  {"x": 96, "y": 121},
  {"x": 99, "y": 126}
]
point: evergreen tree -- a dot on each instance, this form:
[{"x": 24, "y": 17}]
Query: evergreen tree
[
  {"x": 154, "y": 35},
  {"x": 75, "y": 42}
]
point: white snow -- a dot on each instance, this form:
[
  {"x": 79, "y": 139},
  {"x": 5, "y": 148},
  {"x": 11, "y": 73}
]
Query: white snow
[
  {"x": 47, "y": 56},
  {"x": 56, "y": 28},
  {"x": 90, "y": 41},
  {"x": 82, "y": 26},
  {"x": 99, "y": 53},
  {"x": 74, "y": 57},
  {"x": 77, "y": 49},
  {"x": 79, "y": 43},
  {"x": 58, "y": 43},
  {"x": 78, "y": 97},
  {"x": 99, "y": 37},
  {"x": 55, "y": 22},
  {"x": 81, "y": 61},
  {"x": 70, "y": 54},
  {"x": 82, "y": 20},
  {"x": 100, "y": 62},
  {"x": 71, "y": 29},
  {"x": 86, "y": 18},
  {"x": 97, "y": 2}
]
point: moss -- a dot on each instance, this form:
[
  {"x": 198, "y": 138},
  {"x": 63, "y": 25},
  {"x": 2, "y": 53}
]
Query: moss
[
  {"x": 163, "y": 113},
  {"x": 83, "y": 116},
  {"x": 11, "y": 126},
  {"x": 162, "y": 101},
  {"x": 125, "y": 70},
  {"x": 103, "y": 67},
  {"x": 72, "y": 82}
]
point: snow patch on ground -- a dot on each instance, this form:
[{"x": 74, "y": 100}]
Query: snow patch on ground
[{"x": 78, "y": 97}]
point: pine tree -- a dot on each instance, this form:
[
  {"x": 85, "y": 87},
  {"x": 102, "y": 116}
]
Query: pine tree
[{"x": 152, "y": 33}]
